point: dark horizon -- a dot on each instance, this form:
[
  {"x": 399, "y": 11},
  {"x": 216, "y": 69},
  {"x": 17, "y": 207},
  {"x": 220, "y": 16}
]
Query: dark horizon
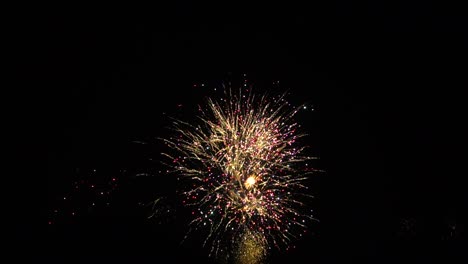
[{"x": 386, "y": 81}]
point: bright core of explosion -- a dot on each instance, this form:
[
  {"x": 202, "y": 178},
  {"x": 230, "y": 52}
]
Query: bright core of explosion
[{"x": 249, "y": 183}]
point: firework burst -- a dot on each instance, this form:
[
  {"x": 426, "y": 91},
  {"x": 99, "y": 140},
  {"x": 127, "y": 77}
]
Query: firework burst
[{"x": 245, "y": 174}]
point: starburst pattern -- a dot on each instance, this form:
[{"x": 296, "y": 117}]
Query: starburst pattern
[{"x": 243, "y": 171}]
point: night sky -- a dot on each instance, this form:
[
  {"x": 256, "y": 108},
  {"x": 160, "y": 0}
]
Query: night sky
[{"x": 386, "y": 80}]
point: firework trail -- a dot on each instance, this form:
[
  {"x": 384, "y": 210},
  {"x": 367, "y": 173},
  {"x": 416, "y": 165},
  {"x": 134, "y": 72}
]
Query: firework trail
[{"x": 243, "y": 172}]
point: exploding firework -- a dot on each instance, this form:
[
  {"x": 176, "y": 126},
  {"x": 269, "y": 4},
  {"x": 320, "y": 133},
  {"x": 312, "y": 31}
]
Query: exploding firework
[{"x": 244, "y": 174}]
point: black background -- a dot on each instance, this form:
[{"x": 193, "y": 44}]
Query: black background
[{"x": 386, "y": 78}]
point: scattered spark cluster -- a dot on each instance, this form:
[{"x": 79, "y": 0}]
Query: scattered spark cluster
[
  {"x": 88, "y": 191},
  {"x": 244, "y": 174}
]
